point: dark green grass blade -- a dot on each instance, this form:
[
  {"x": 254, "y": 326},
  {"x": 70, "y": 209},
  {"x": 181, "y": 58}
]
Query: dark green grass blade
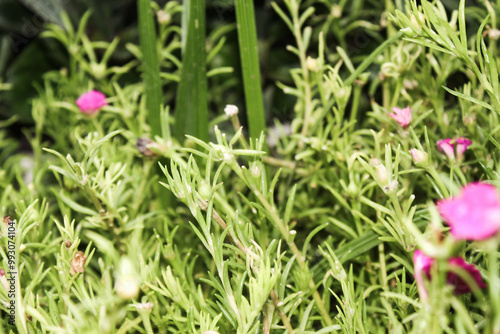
[
  {"x": 247, "y": 36},
  {"x": 191, "y": 115},
  {"x": 150, "y": 65}
]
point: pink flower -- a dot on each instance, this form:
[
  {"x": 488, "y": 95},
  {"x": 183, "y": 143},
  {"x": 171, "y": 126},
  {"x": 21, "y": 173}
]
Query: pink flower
[
  {"x": 462, "y": 145},
  {"x": 402, "y": 116},
  {"x": 423, "y": 264},
  {"x": 90, "y": 102},
  {"x": 447, "y": 146},
  {"x": 474, "y": 214},
  {"x": 460, "y": 285}
]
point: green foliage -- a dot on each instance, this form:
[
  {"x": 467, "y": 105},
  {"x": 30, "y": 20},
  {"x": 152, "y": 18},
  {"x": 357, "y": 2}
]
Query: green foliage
[{"x": 310, "y": 229}]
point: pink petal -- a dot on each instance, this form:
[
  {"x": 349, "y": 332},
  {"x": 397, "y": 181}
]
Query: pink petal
[
  {"x": 474, "y": 214},
  {"x": 462, "y": 145},
  {"x": 460, "y": 285},
  {"x": 422, "y": 265},
  {"x": 90, "y": 102},
  {"x": 402, "y": 116},
  {"x": 447, "y": 147}
]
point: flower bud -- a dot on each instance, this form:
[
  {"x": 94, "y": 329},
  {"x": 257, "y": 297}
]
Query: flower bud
[
  {"x": 127, "y": 279},
  {"x": 163, "y": 17},
  {"x": 311, "y": 64},
  {"x": 381, "y": 174},
  {"x": 231, "y": 110},
  {"x": 336, "y": 11},
  {"x": 204, "y": 190},
  {"x": 420, "y": 158}
]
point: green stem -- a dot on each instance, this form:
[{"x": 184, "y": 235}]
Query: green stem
[
  {"x": 493, "y": 287},
  {"x": 144, "y": 314}
]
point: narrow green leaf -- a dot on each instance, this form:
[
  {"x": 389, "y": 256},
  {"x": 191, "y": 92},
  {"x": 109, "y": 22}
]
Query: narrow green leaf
[
  {"x": 371, "y": 58},
  {"x": 191, "y": 114},
  {"x": 469, "y": 98},
  {"x": 490, "y": 138},
  {"x": 150, "y": 65},
  {"x": 461, "y": 24},
  {"x": 247, "y": 36}
]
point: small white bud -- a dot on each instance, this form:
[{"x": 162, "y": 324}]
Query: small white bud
[
  {"x": 231, "y": 110},
  {"x": 163, "y": 17},
  {"x": 127, "y": 279},
  {"x": 312, "y": 64}
]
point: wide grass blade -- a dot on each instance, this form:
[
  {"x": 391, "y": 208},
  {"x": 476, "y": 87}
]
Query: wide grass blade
[
  {"x": 247, "y": 36},
  {"x": 191, "y": 115},
  {"x": 150, "y": 65}
]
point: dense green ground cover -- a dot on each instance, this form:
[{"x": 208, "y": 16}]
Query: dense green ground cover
[{"x": 145, "y": 207}]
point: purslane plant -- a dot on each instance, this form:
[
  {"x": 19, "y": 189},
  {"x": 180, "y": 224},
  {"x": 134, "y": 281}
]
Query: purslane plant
[{"x": 316, "y": 235}]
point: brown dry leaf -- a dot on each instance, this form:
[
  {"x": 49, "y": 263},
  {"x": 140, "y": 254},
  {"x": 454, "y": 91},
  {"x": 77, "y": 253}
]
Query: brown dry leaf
[
  {"x": 6, "y": 220},
  {"x": 77, "y": 263}
]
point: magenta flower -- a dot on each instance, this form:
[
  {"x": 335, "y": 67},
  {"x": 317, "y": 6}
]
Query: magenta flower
[
  {"x": 402, "y": 116},
  {"x": 462, "y": 145},
  {"x": 460, "y": 285},
  {"x": 90, "y": 102},
  {"x": 448, "y": 147},
  {"x": 445, "y": 146},
  {"x": 423, "y": 264},
  {"x": 474, "y": 214}
]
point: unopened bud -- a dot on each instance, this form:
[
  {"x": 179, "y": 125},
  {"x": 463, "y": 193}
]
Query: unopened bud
[
  {"x": 3, "y": 279},
  {"x": 420, "y": 158},
  {"x": 494, "y": 34},
  {"x": 352, "y": 190},
  {"x": 231, "y": 110},
  {"x": 414, "y": 20},
  {"x": 381, "y": 174},
  {"x": 163, "y": 17},
  {"x": 204, "y": 190},
  {"x": 127, "y": 279},
  {"x": 311, "y": 64},
  {"x": 98, "y": 70},
  {"x": 336, "y": 11}
]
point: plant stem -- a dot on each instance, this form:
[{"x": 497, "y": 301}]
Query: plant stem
[{"x": 281, "y": 313}]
